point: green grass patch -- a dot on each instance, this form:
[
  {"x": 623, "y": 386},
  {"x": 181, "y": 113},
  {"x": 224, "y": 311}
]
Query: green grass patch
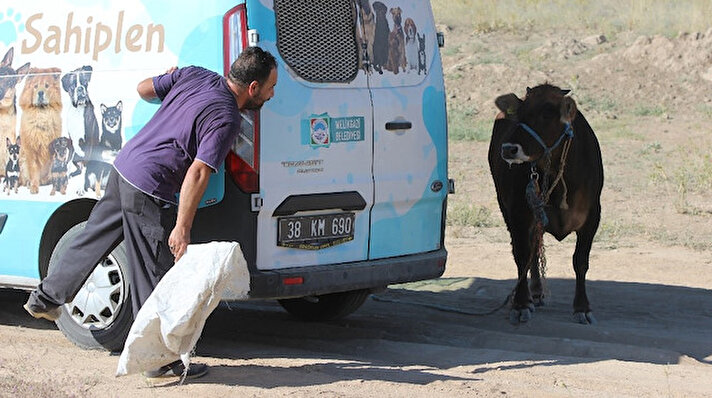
[
  {"x": 651, "y": 148},
  {"x": 467, "y": 214},
  {"x": 612, "y": 232},
  {"x": 689, "y": 239},
  {"x": 599, "y": 104},
  {"x": 450, "y": 51},
  {"x": 705, "y": 110},
  {"x": 463, "y": 126},
  {"x": 692, "y": 175},
  {"x": 644, "y": 111}
]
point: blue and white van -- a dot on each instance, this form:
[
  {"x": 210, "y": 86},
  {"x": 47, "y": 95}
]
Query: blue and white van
[{"x": 337, "y": 187}]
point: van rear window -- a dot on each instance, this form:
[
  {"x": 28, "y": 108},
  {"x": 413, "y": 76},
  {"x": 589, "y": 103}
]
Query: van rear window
[{"x": 317, "y": 39}]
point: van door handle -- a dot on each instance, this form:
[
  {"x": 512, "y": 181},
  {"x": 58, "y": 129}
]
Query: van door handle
[{"x": 400, "y": 125}]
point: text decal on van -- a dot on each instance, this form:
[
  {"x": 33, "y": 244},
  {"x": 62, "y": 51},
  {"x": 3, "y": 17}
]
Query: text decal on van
[
  {"x": 322, "y": 130},
  {"x": 77, "y": 36}
]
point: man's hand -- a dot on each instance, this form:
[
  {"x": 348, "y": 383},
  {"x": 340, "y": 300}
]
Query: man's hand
[
  {"x": 192, "y": 189},
  {"x": 178, "y": 241}
]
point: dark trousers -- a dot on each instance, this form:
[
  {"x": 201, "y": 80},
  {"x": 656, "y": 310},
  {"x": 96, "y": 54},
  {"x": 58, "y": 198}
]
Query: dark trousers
[{"x": 123, "y": 213}]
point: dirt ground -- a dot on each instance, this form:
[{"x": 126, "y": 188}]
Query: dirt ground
[
  {"x": 649, "y": 100},
  {"x": 654, "y": 338}
]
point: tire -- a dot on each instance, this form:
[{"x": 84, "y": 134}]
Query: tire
[
  {"x": 325, "y": 307},
  {"x": 86, "y": 322}
]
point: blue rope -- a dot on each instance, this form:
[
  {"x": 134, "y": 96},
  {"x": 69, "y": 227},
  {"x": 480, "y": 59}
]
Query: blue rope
[
  {"x": 568, "y": 133},
  {"x": 536, "y": 202}
]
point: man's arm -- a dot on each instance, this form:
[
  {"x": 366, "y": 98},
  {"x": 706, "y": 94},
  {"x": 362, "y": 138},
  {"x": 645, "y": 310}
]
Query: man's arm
[
  {"x": 192, "y": 189},
  {"x": 147, "y": 91}
]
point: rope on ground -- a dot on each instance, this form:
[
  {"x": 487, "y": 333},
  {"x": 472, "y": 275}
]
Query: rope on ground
[{"x": 443, "y": 308}]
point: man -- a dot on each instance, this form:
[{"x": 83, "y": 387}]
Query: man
[{"x": 177, "y": 150}]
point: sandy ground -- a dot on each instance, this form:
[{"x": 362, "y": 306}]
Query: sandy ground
[{"x": 654, "y": 338}]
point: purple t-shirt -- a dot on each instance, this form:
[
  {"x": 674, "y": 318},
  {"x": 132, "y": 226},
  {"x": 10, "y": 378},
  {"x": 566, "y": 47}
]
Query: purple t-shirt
[{"x": 198, "y": 119}]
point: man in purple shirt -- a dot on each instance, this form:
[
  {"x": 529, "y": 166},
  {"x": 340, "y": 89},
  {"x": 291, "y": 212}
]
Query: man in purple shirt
[{"x": 175, "y": 152}]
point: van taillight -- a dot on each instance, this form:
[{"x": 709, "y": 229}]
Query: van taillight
[
  {"x": 234, "y": 35},
  {"x": 242, "y": 162}
]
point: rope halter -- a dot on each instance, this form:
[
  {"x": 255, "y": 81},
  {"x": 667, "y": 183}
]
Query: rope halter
[
  {"x": 538, "y": 204},
  {"x": 568, "y": 133}
]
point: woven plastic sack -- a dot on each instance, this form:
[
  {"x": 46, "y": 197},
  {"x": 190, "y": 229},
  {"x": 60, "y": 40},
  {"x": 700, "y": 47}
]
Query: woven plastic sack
[{"x": 171, "y": 320}]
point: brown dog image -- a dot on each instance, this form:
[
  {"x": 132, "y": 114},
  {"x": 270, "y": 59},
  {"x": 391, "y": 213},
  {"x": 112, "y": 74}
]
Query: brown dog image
[
  {"x": 40, "y": 124},
  {"x": 9, "y": 78},
  {"x": 396, "y": 44}
]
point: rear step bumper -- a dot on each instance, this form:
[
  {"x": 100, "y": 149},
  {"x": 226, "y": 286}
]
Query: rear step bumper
[{"x": 325, "y": 279}]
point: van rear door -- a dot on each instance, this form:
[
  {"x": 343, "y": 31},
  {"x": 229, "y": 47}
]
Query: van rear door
[
  {"x": 410, "y": 131},
  {"x": 315, "y": 143}
]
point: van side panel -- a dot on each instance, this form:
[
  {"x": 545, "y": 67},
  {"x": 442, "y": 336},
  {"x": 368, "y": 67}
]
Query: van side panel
[
  {"x": 20, "y": 239},
  {"x": 115, "y": 45}
]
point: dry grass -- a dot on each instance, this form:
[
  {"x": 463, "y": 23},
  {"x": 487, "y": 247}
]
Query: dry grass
[
  {"x": 658, "y": 168},
  {"x": 666, "y": 17}
]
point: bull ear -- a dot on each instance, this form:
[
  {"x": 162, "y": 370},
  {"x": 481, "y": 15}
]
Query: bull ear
[
  {"x": 509, "y": 104},
  {"x": 568, "y": 110}
]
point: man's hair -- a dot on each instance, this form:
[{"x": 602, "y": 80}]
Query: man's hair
[{"x": 253, "y": 64}]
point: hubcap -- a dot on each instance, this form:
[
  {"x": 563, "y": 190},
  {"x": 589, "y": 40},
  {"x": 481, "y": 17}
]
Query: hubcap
[{"x": 98, "y": 301}]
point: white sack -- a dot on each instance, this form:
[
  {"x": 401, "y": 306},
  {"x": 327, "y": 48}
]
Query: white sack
[{"x": 171, "y": 320}]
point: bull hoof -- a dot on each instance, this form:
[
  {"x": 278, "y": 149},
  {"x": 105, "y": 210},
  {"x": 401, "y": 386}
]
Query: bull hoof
[
  {"x": 539, "y": 301},
  {"x": 523, "y": 315},
  {"x": 585, "y": 318}
]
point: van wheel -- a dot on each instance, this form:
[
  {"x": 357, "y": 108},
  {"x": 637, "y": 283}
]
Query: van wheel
[
  {"x": 100, "y": 315},
  {"x": 325, "y": 307}
]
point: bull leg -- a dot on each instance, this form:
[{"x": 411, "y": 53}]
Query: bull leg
[
  {"x": 536, "y": 287},
  {"x": 584, "y": 241},
  {"x": 522, "y": 304}
]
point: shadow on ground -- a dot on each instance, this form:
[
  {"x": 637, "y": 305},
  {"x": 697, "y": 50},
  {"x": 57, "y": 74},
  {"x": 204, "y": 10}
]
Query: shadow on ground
[{"x": 401, "y": 338}]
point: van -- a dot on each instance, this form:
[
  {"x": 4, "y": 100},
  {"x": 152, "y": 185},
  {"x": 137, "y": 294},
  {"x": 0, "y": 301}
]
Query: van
[{"x": 337, "y": 187}]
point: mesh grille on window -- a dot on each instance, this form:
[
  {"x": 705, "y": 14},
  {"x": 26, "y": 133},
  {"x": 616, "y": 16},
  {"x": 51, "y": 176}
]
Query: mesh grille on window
[{"x": 317, "y": 38}]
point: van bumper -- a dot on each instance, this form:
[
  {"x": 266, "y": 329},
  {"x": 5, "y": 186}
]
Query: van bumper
[{"x": 324, "y": 279}]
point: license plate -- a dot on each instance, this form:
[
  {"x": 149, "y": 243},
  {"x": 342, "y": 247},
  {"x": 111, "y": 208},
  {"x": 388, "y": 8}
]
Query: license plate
[{"x": 315, "y": 232}]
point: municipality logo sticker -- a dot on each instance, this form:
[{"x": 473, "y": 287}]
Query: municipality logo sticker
[{"x": 320, "y": 131}]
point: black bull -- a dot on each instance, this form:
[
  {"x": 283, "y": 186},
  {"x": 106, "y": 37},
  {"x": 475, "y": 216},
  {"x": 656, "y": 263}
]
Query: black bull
[{"x": 519, "y": 159}]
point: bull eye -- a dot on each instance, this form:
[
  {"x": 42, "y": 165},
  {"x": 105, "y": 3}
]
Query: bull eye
[
  {"x": 36, "y": 85},
  {"x": 46, "y": 85}
]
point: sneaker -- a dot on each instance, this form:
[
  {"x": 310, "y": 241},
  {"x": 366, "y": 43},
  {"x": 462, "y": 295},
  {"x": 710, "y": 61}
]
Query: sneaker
[
  {"x": 175, "y": 370},
  {"x": 50, "y": 314}
]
